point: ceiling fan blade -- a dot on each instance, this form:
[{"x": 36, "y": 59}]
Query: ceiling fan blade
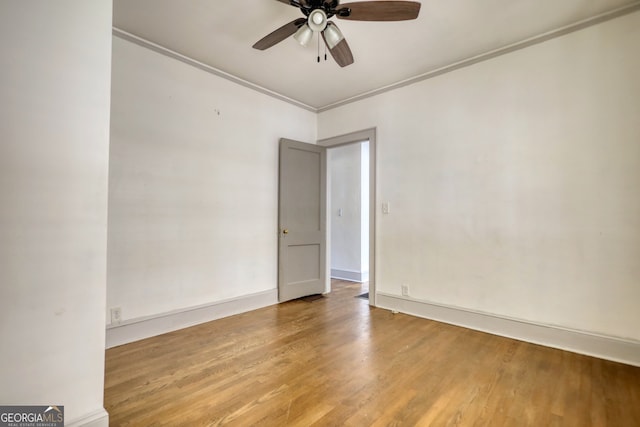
[
  {"x": 379, "y": 10},
  {"x": 280, "y": 34},
  {"x": 341, "y": 52}
]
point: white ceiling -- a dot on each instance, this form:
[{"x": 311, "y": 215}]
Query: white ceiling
[{"x": 220, "y": 34}]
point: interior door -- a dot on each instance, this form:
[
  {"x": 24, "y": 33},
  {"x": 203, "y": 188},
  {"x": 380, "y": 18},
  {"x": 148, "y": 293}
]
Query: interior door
[{"x": 302, "y": 220}]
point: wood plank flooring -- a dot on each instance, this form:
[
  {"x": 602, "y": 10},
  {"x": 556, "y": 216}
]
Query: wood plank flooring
[{"x": 336, "y": 361}]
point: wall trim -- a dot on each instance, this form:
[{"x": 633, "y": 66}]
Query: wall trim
[
  {"x": 350, "y": 275},
  {"x": 370, "y": 135},
  {"x": 98, "y": 418},
  {"x": 582, "y": 342},
  {"x": 150, "y": 326}
]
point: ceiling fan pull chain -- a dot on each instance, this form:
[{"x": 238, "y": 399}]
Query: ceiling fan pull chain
[{"x": 318, "y": 48}]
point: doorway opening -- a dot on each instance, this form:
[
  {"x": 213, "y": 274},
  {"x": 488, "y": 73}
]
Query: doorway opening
[
  {"x": 348, "y": 172},
  {"x": 351, "y": 210}
]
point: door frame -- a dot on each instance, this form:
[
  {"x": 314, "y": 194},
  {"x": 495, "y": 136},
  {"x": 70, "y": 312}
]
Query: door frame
[{"x": 346, "y": 139}]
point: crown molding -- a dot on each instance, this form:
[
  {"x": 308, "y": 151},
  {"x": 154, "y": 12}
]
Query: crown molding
[
  {"x": 576, "y": 26},
  {"x": 117, "y": 32},
  {"x": 594, "y": 20}
]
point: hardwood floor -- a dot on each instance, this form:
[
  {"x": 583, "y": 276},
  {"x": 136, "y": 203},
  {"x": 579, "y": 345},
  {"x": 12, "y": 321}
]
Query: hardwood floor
[{"x": 336, "y": 361}]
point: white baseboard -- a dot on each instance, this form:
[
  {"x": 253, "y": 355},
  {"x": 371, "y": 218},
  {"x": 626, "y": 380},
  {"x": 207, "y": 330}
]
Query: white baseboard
[
  {"x": 603, "y": 347},
  {"x": 96, "y": 419},
  {"x": 350, "y": 275},
  {"x": 137, "y": 329}
]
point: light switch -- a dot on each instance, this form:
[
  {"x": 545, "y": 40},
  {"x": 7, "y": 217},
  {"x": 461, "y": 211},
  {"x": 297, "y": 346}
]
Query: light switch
[
  {"x": 340, "y": 212},
  {"x": 385, "y": 207}
]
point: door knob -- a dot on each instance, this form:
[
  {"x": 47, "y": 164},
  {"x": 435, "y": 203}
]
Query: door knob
[{"x": 285, "y": 231}]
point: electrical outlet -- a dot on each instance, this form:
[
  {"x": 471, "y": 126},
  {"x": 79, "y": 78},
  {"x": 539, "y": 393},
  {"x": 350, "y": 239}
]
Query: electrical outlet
[
  {"x": 405, "y": 290},
  {"x": 116, "y": 315}
]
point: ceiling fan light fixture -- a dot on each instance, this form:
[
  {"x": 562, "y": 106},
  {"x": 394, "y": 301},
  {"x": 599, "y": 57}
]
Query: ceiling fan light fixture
[
  {"x": 303, "y": 35},
  {"x": 317, "y": 20},
  {"x": 332, "y": 35}
]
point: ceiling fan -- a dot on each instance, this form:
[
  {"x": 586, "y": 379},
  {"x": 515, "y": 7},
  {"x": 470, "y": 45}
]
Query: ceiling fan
[{"x": 317, "y": 14}]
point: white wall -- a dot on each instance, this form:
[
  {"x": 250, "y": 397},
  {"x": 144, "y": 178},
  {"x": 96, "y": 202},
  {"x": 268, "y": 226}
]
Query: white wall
[
  {"x": 54, "y": 142},
  {"x": 193, "y": 184},
  {"x": 514, "y": 182}
]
